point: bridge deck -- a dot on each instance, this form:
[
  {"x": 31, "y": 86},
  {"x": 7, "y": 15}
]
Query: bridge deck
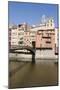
[{"x": 13, "y": 50}]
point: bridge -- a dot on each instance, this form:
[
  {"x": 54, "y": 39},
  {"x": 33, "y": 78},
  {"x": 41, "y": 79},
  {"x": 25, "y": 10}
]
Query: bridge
[
  {"x": 31, "y": 49},
  {"x": 14, "y": 50}
]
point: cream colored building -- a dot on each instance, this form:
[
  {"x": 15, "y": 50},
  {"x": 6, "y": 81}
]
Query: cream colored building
[
  {"x": 20, "y": 30},
  {"x": 32, "y": 37},
  {"x": 14, "y": 37},
  {"x": 17, "y": 35}
]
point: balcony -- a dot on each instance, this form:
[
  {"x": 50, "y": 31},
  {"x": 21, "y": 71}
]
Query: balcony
[
  {"x": 48, "y": 41},
  {"x": 46, "y": 37}
]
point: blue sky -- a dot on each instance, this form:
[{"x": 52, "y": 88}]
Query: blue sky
[{"x": 31, "y": 13}]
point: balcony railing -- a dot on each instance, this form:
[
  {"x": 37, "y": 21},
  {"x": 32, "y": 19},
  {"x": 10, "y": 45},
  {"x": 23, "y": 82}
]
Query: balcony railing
[{"x": 46, "y": 37}]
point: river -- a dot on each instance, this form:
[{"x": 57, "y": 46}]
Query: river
[{"x": 26, "y": 74}]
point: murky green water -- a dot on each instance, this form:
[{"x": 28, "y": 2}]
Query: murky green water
[{"x": 26, "y": 74}]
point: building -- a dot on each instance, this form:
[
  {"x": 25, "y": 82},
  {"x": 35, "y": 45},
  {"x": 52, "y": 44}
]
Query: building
[
  {"x": 26, "y": 38},
  {"x": 19, "y": 35},
  {"x": 11, "y": 34},
  {"x": 45, "y": 39},
  {"x": 14, "y": 36},
  {"x": 20, "y": 30},
  {"x": 27, "y": 35},
  {"x": 9, "y": 37},
  {"x": 56, "y": 40},
  {"x": 44, "y": 35},
  {"x": 32, "y": 37}
]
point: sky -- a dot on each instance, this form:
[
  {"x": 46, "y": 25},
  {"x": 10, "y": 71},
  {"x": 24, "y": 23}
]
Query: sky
[{"x": 31, "y": 13}]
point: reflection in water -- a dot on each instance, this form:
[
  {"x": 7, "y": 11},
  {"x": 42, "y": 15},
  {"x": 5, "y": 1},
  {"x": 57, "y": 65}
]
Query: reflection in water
[{"x": 27, "y": 74}]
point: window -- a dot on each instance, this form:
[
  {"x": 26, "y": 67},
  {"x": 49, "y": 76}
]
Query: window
[
  {"x": 20, "y": 42},
  {"x": 9, "y": 38},
  {"x": 19, "y": 33},
  {"x": 51, "y": 21},
  {"x": 19, "y": 29},
  {"x": 48, "y": 34},
  {"x": 14, "y": 33},
  {"x": 30, "y": 42},
  {"x": 40, "y": 45},
  {"x": 21, "y": 38},
  {"x": 9, "y": 33},
  {"x": 51, "y": 24},
  {"x": 52, "y": 33},
  {"x": 13, "y": 42},
  {"x": 47, "y": 24},
  {"x": 48, "y": 41}
]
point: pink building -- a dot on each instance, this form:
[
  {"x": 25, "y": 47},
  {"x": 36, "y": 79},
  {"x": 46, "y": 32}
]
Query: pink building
[
  {"x": 38, "y": 40},
  {"x": 45, "y": 39}
]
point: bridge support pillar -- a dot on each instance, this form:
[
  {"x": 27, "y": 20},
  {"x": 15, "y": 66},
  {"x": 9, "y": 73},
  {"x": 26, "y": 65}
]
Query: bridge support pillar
[
  {"x": 33, "y": 54},
  {"x": 33, "y": 58}
]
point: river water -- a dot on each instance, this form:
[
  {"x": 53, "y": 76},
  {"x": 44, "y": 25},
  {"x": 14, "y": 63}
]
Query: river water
[{"x": 26, "y": 74}]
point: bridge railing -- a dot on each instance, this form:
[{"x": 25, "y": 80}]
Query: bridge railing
[{"x": 17, "y": 46}]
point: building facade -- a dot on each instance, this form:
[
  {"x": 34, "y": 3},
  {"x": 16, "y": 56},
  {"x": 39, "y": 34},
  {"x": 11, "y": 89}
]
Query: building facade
[
  {"x": 20, "y": 31},
  {"x": 45, "y": 39},
  {"x": 56, "y": 40},
  {"x": 44, "y": 35}
]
